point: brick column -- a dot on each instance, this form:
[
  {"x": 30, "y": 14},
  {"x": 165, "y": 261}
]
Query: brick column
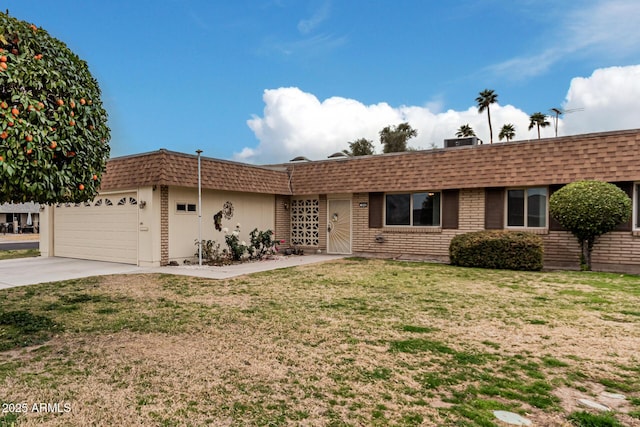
[{"x": 164, "y": 225}]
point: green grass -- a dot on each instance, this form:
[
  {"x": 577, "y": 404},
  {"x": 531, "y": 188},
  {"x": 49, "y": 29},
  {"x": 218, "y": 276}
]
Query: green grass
[
  {"x": 355, "y": 342},
  {"x": 19, "y": 253}
]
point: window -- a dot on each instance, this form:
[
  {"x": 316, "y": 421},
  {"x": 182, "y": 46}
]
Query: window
[
  {"x": 527, "y": 207},
  {"x": 185, "y": 207},
  {"x": 413, "y": 209}
]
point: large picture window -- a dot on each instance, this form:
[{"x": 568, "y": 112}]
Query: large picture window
[
  {"x": 527, "y": 207},
  {"x": 413, "y": 209}
]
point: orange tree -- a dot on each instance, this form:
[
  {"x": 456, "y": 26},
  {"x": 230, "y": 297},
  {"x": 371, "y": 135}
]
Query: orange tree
[{"x": 54, "y": 139}]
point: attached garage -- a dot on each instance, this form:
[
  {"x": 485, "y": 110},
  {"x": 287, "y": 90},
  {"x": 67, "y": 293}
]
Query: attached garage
[{"x": 105, "y": 229}]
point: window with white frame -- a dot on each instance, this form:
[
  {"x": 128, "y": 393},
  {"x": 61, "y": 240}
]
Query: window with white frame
[
  {"x": 527, "y": 207},
  {"x": 413, "y": 209}
]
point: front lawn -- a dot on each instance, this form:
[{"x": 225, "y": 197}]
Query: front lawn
[
  {"x": 347, "y": 343},
  {"x": 18, "y": 253}
]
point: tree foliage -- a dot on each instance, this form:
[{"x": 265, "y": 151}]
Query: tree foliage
[
  {"x": 507, "y": 132},
  {"x": 360, "y": 147},
  {"x": 53, "y": 127},
  {"x": 394, "y": 138},
  {"x": 589, "y": 209},
  {"x": 465, "y": 131},
  {"x": 484, "y": 100},
  {"x": 538, "y": 120}
]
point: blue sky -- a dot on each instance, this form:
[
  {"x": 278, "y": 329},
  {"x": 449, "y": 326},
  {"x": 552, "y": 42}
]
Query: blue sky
[{"x": 265, "y": 80}]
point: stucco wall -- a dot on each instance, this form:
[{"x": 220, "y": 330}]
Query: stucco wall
[
  {"x": 251, "y": 211},
  {"x": 149, "y": 227}
]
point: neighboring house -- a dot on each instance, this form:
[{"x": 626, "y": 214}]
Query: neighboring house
[
  {"x": 19, "y": 217},
  {"x": 401, "y": 205}
]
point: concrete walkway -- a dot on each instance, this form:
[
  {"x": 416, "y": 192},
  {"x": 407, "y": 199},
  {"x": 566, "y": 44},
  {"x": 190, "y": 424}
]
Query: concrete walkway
[{"x": 29, "y": 271}]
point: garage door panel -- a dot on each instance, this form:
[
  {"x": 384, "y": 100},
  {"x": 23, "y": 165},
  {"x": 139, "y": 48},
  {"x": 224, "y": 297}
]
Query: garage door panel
[{"x": 100, "y": 230}]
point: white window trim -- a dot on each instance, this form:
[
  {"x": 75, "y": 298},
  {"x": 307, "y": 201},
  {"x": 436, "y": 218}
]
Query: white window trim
[
  {"x": 410, "y": 225},
  {"x": 526, "y": 198}
]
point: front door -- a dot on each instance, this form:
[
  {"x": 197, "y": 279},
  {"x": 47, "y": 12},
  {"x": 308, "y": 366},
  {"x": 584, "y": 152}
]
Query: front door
[{"x": 339, "y": 226}]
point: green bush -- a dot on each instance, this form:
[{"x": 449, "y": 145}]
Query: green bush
[
  {"x": 54, "y": 138},
  {"x": 589, "y": 209},
  {"x": 511, "y": 250}
]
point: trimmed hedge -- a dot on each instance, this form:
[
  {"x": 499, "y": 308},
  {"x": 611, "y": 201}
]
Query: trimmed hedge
[{"x": 509, "y": 250}]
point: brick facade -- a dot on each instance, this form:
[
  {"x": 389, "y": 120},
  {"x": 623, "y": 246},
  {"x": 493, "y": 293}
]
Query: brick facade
[
  {"x": 283, "y": 220},
  {"x": 164, "y": 225}
]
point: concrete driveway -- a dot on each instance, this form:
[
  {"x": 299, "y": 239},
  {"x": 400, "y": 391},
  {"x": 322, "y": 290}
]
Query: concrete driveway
[{"x": 29, "y": 271}]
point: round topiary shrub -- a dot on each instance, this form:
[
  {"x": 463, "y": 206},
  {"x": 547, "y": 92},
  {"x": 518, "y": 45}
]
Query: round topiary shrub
[
  {"x": 53, "y": 128},
  {"x": 511, "y": 250},
  {"x": 589, "y": 209}
]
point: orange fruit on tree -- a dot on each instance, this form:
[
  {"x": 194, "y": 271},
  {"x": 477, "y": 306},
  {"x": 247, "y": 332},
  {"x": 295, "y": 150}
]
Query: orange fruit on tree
[
  {"x": 40, "y": 105},
  {"x": 81, "y": 187},
  {"x": 10, "y": 123},
  {"x": 29, "y": 138},
  {"x": 3, "y": 58},
  {"x": 4, "y": 135},
  {"x": 95, "y": 177},
  {"x": 4, "y": 105},
  {"x": 72, "y": 122},
  {"x": 15, "y": 111},
  {"x": 29, "y": 151},
  {"x": 53, "y": 145},
  {"x": 3, "y": 65},
  {"x": 72, "y": 114},
  {"x": 60, "y": 102},
  {"x": 82, "y": 101},
  {"x": 72, "y": 104},
  {"x": 1, "y": 158},
  {"x": 33, "y": 27}
]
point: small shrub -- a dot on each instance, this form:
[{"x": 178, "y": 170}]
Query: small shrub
[{"x": 511, "y": 250}]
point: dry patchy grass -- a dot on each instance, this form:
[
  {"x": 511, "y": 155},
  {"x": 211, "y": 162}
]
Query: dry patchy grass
[{"x": 353, "y": 342}]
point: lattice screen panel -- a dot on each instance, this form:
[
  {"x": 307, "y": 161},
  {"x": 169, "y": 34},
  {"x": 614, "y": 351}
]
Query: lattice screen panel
[{"x": 305, "y": 224}]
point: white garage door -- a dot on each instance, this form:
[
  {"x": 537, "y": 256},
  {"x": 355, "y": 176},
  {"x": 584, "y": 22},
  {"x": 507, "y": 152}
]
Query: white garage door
[{"x": 105, "y": 229}]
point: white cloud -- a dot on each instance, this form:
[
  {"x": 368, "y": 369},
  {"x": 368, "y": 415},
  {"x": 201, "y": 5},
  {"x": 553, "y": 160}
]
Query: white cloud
[
  {"x": 608, "y": 99},
  {"x": 600, "y": 28},
  {"x": 305, "y": 26},
  {"x": 297, "y": 123}
]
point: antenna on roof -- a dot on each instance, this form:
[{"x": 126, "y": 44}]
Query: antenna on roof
[{"x": 558, "y": 112}]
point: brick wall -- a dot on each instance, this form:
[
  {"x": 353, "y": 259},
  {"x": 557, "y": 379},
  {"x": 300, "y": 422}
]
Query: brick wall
[
  {"x": 414, "y": 242},
  {"x": 616, "y": 251},
  {"x": 164, "y": 225},
  {"x": 283, "y": 220}
]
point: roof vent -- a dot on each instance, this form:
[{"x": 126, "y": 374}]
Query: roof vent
[
  {"x": 460, "y": 142},
  {"x": 300, "y": 159},
  {"x": 339, "y": 154}
]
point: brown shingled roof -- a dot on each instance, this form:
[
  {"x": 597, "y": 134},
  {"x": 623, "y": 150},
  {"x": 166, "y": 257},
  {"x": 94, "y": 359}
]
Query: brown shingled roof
[
  {"x": 177, "y": 169},
  {"x": 608, "y": 156}
]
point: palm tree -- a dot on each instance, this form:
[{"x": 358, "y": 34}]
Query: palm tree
[
  {"x": 486, "y": 98},
  {"x": 508, "y": 131},
  {"x": 538, "y": 120},
  {"x": 465, "y": 131}
]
